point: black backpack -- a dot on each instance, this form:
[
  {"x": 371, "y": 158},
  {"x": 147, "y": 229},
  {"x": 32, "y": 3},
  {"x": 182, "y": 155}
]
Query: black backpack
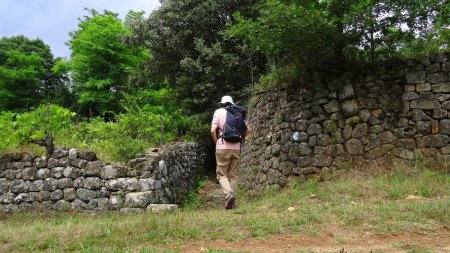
[{"x": 235, "y": 128}]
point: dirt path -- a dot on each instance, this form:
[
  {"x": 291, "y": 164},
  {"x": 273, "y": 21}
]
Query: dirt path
[{"x": 332, "y": 242}]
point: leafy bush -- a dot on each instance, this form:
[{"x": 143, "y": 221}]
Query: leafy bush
[
  {"x": 287, "y": 31},
  {"x": 44, "y": 120},
  {"x": 146, "y": 108},
  {"x": 105, "y": 138},
  {"x": 138, "y": 128},
  {"x": 196, "y": 128},
  {"x": 39, "y": 126},
  {"x": 7, "y": 137},
  {"x": 144, "y": 111}
]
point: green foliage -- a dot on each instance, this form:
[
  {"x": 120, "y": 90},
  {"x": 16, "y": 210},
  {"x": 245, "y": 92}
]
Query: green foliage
[
  {"x": 288, "y": 30},
  {"x": 426, "y": 187},
  {"x": 279, "y": 76},
  {"x": 306, "y": 36},
  {"x": 26, "y": 75},
  {"x": 311, "y": 186},
  {"x": 138, "y": 128},
  {"x": 44, "y": 120},
  {"x": 20, "y": 77},
  {"x": 196, "y": 128},
  {"x": 144, "y": 111},
  {"x": 42, "y": 125},
  {"x": 295, "y": 185},
  {"x": 101, "y": 63},
  {"x": 190, "y": 53},
  {"x": 271, "y": 190},
  {"x": 7, "y": 137},
  {"x": 39, "y": 126},
  {"x": 102, "y": 137},
  {"x": 134, "y": 130},
  {"x": 406, "y": 181},
  {"x": 193, "y": 201},
  {"x": 431, "y": 44}
]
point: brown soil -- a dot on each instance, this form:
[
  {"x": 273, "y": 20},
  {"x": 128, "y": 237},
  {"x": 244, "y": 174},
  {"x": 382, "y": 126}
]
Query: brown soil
[{"x": 336, "y": 241}]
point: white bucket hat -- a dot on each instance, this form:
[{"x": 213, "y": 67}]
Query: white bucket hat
[{"x": 226, "y": 99}]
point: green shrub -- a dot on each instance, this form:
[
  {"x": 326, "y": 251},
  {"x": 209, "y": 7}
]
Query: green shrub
[
  {"x": 7, "y": 137},
  {"x": 106, "y": 138},
  {"x": 193, "y": 201},
  {"x": 146, "y": 108},
  {"x": 148, "y": 115},
  {"x": 134, "y": 130},
  {"x": 196, "y": 128},
  {"x": 39, "y": 126}
]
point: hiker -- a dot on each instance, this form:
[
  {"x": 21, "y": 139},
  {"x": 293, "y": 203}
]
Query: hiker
[{"x": 228, "y": 129}]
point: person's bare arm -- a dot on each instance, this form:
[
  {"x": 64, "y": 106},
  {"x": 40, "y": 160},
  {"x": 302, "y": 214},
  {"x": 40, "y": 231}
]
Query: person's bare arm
[{"x": 214, "y": 134}]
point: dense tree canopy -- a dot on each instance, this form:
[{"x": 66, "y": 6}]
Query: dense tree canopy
[
  {"x": 101, "y": 63},
  {"x": 20, "y": 78},
  {"x": 26, "y": 76},
  {"x": 308, "y": 32},
  {"x": 190, "y": 53}
]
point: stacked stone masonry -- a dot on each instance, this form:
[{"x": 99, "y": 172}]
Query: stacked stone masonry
[
  {"x": 76, "y": 179},
  {"x": 398, "y": 111}
]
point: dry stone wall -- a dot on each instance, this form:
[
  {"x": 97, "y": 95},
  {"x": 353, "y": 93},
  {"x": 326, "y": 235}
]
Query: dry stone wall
[
  {"x": 397, "y": 111},
  {"x": 76, "y": 179}
]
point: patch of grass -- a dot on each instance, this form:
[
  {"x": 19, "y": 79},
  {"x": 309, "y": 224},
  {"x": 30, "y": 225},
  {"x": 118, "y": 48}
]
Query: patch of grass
[
  {"x": 47, "y": 244},
  {"x": 404, "y": 244},
  {"x": 314, "y": 233},
  {"x": 193, "y": 201},
  {"x": 32, "y": 148},
  {"x": 278, "y": 77},
  {"x": 340, "y": 239},
  {"x": 356, "y": 202},
  {"x": 295, "y": 185},
  {"x": 271, "y": 190},
  {"x": 346, "y": 165}
]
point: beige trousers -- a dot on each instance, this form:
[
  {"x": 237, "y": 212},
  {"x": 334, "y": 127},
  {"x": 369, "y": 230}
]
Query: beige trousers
[{"x": 227, "y": 169}]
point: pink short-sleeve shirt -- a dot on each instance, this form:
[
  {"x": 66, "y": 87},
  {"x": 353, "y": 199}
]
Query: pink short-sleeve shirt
[{"x": 218, "y": 121}]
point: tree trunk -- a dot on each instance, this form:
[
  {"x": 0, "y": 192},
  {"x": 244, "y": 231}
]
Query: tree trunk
[{"x": 47, "y": 142}]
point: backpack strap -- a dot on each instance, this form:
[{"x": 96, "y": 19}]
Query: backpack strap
[{"x": 221, "y": 130}]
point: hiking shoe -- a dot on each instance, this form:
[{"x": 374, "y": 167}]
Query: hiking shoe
[{"x": 229, "y": 203}]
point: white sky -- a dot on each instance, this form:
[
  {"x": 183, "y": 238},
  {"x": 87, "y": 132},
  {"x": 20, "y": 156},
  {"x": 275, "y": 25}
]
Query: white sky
[{"x": 52, "y": 20}]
